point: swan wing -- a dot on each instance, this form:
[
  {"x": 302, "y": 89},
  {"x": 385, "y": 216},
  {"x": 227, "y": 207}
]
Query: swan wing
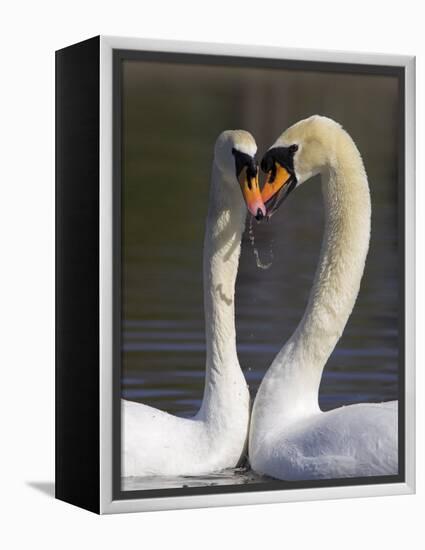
[
  {"x": 354, "y": 441},
  {"x": 155, "y": 442}
]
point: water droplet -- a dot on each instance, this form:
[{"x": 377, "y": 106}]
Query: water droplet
[{"x": 258, "y": 261}]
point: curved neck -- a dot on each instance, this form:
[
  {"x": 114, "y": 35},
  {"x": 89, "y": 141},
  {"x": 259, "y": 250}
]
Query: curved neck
[
  {"x": 224, "y": 229},
  {"x": 294, "y": 377}
]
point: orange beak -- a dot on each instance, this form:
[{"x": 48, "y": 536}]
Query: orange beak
[
  {"x": 277, "y": 187},
  {"x": 277, "y": 178},
  {"x": 251, "y": 192}
]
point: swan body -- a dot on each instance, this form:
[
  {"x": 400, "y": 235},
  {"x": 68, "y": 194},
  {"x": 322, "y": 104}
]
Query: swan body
[
  {"x": 290, "y": 437},
  {"x": 157, "y": 443}
]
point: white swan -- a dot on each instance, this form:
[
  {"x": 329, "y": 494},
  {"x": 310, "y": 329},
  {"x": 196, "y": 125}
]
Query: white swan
[
  {"x": 155, "y": 442},
  {"x": 290, "y": 437}
]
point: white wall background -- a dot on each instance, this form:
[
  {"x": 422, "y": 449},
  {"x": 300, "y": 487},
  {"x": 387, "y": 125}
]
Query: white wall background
[{"x": 29, "y": 34}]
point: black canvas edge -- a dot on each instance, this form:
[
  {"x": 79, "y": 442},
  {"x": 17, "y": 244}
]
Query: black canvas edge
[
  {"x": 77, "y": 455},
  {"x": 120, "y": 55}
]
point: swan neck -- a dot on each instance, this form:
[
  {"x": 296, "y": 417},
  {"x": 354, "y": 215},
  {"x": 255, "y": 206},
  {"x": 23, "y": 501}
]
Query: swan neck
[
  {"x": 222, "y": 244},
  {"x": 345, "y": 244},
  {"x": 294, "y": 377}
]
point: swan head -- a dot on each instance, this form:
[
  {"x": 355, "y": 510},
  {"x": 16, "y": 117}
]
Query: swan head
[
  {"x": 300, "y": 153},
  {"x": 234, "y": 156}
]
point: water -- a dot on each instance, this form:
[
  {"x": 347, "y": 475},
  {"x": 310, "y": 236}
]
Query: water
[
  {"x": 165, "y": 200},
  {"x": 255, "y": 250},
  {"x": 230, "y": 476}
]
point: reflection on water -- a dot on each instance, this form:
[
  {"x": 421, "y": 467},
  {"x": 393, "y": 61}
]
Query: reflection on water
[
  {"x": 230, "y": 476},
  {"x": 167, "y": 158}
]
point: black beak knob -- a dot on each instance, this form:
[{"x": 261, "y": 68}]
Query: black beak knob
[
  {"x": 267, "y": 162},
  {"x": 259, "y": 215}
]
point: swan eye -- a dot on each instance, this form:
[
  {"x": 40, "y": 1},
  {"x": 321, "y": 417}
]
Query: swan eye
[
  {"x": 243, "y": 160},
  {"x": 284, "y": 156}
]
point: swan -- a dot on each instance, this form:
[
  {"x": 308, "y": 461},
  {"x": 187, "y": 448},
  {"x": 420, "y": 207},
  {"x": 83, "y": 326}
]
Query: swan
[
  {"x": 290, "y": 437},
  {"x": 156, "y": 443}
]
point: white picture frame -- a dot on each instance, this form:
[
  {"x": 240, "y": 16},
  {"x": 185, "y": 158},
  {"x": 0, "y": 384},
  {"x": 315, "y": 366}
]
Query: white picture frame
[{"x": 107, "y": 502}]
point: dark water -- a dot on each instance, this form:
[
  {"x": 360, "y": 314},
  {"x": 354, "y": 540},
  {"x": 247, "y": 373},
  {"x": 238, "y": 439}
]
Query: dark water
[{"x": 167, "y": 159}]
